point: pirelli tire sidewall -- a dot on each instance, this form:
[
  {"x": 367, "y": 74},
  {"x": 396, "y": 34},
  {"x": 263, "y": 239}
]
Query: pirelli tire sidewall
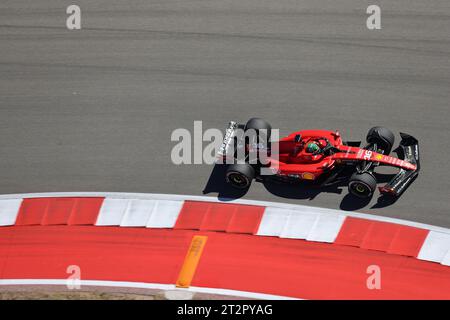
[
  {"x": 362, "y": 185},
  {"x": 383, "y": 137},
  {"x": 240, "y": 175}
]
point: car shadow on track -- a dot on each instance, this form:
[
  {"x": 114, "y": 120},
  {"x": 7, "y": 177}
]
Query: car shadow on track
[{"x": 301, "y": 191}]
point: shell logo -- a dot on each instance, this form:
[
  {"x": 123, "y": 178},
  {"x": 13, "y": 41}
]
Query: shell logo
[
  {"x": 379, "y": 156},
  {"x": 308, "y": 176}
]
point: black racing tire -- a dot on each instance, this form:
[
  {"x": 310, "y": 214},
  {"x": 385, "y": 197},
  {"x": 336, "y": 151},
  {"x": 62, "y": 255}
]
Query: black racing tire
[
  {"x": 362, "y": 185},
  {"x": 382, "y": 137},
  {"x": 259, "y": 124},
  {"x": 240, "y": 176}
]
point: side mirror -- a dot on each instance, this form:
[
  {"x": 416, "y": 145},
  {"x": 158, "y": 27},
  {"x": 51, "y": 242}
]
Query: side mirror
[{"x": 298, "y": 138}]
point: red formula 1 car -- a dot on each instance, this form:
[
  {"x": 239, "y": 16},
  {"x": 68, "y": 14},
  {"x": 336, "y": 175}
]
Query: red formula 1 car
[{"x": 319, "y": 156}]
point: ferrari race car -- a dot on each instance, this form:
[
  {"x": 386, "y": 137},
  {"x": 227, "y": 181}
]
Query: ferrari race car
[{"x": 318, "y": 156}]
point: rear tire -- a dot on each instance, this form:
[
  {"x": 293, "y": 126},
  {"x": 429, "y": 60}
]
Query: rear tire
[
  {"x": 362, "y": 185},
  {"x": 240, "y": 176},
  {"x": 382, "y": 137},
  {"x": 259, "y": 124}
]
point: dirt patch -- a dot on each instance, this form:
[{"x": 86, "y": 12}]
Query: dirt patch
[
  {"x": 54, "y": 292},
  {"x": 83, "y": 295}
]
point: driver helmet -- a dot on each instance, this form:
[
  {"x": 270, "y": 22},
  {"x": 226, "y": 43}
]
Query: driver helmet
[{"x": 312, "y": 147}]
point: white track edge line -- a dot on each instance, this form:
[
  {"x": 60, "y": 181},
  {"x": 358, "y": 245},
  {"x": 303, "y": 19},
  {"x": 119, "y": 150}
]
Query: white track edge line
[
  {"x": 158, "y": 196},
  {"x": 145, "y": 285}
]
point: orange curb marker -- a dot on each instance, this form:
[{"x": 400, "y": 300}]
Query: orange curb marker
[{"x": 191, "y": 261}]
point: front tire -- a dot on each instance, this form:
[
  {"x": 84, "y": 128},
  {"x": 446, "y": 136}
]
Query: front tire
[
  {"x": 362, "y": 185},
  {"x": 240, "y": 176},
  {"x": 382, "y": 137}
]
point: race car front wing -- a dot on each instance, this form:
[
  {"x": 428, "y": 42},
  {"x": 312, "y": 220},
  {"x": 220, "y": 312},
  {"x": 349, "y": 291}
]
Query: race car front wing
[{"x": 409, "y": 151}]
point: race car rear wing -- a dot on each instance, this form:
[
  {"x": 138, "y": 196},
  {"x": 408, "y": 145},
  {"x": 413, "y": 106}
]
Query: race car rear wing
[
  {"x": 227, "y": 149},
  {"x": 238, "y": 145},
  {"x": 409, "y": 151}
]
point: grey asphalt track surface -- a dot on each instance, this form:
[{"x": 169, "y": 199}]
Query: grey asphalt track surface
[{"x": 94, "y": 109}]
